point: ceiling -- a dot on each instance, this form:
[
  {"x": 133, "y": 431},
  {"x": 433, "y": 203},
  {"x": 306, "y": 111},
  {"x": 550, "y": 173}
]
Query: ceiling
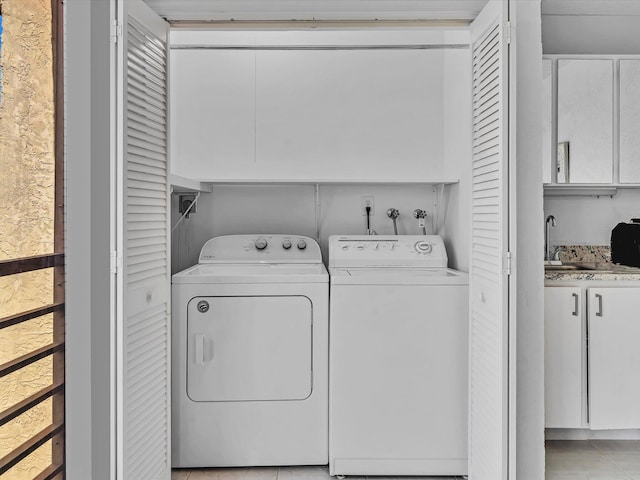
[{"x": 366, "y": 10}]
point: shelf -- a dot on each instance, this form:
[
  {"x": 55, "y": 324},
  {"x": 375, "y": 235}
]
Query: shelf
[
  {"x": 585, "y": 190},
  {"x": 183, "y": 185},
  {"x": 325, "y": 181},
  {"x": 187, "y": 185}
]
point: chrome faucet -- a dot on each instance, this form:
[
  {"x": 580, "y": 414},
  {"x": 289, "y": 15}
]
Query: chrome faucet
[{"x": 547, "y": 243}]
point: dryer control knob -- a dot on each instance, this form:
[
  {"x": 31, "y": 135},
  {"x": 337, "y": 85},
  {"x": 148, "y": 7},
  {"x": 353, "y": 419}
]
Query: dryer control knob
[
  {"x": 286, "y": 244},
  {"x": 261, "y": 243},
  {"x": 302, "y": 245}
]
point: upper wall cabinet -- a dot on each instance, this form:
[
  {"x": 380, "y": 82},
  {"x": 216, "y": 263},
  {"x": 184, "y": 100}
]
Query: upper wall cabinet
[
  {"x": 591, "y": 115},
  {"x": 629, "y": 121},
  {"x": 547, "y": 119},
  {"x": 292, "y": 106},
  {"x": 585, "y": 121}
]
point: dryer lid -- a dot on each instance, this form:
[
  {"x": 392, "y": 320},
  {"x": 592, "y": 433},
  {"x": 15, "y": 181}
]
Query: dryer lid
[
  {"x": 256, "y": 249},
  {"x": 253, "y": 273}
]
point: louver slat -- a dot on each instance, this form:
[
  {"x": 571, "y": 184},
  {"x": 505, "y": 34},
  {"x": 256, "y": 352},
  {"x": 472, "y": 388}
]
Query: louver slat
[
  {"x": 141, "y": 111},
  {"x": 138, "y": 100},
  {"x": 150, "y": 82}
]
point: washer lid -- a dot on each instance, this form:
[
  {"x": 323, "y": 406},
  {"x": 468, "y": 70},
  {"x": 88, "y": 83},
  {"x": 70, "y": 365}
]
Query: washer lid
[
  {"x": 237, "y": 249},
  {"x": 253, "y": 273},
  {"x": 397, "y": 276}
]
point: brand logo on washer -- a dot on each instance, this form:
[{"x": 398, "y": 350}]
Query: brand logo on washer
[{"x": 203, "y": 306}]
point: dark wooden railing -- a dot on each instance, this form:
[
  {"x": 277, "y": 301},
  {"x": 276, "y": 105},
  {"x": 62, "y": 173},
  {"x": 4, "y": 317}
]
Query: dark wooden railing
[
  {"x": 54, "y": 431},
  {"x": 30, "y": 264}
]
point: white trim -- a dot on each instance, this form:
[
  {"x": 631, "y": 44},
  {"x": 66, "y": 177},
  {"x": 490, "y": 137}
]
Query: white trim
[{"x": 118, "y": 210}]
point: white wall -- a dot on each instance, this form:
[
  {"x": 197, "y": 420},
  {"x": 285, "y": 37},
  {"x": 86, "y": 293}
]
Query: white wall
[
  {"x": 237, "y": 209},
  {"x": 88, "y": 394},
  {"x": 526, "y": 205},
  {"x": 589, "y": 220},
  {"x": 457, "y": 153}
]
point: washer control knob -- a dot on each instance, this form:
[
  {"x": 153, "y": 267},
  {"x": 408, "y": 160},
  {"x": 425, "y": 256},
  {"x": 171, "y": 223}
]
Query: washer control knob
[
  {"x": 302, "y": 245},
  {"x": 423, "y": 247},
  {"x": 261, "y": 243},
  {"x": 286, "y": 244}
]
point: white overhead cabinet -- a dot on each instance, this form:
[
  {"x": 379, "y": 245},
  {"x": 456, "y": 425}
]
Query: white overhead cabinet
[
  {"x": 315, "y": 106},
  {"x": 629, "y": 121},
  {"x": 548, "y": 150},
  {"x": 357, "y": 113},
  {"x": 593, "y": 141},
  {"x": 585, "y": 120},
  {"x": 212, "y": 111}
]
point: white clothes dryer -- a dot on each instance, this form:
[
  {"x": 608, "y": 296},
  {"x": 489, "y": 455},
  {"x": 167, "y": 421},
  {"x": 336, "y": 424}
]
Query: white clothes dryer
[
  {"x": 250, "y": 354},
  {"x": 398, "y": 357}
]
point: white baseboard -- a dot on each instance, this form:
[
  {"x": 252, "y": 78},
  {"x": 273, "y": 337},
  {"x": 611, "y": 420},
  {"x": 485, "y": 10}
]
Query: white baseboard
[{"x": 586, "y": 434}]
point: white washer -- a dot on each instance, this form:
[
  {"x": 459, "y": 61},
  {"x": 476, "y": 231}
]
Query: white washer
[
  {"x": 250, "y": 354},
  {"x": 398, "y": 357}
]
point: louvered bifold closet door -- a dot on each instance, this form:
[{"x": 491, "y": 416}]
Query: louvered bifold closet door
[
  {"x": 143, "y": 384},
  {"x": 488, "y": 389}
]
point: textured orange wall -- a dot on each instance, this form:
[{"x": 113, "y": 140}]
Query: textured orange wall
[{"x": 26, "y": 212}]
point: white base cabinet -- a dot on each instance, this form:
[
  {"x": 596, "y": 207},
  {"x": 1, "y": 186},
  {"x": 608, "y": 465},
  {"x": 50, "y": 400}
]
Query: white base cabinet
[
  {"x": 614, "y": 358},
  {"x": 564, "y": 357},
  {"x": 592, "y": 357}
]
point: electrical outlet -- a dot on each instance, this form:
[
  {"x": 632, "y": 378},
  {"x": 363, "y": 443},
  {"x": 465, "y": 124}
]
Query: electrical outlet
[
  {"x": 184, "y": 202},
  {"x": 368, "y": 201}
]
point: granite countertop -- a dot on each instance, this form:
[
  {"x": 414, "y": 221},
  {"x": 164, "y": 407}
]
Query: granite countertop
[
  {"x": 592, "y": 262},
  {"x": 594, "y": 271}
]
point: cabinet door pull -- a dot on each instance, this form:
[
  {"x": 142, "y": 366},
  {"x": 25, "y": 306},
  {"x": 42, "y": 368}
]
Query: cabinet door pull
[
  {"x": 599, "y": 312},
  {"x": 575, "y": 305}
]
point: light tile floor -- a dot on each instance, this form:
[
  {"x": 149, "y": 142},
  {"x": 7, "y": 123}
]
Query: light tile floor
[
  {"x": 593, "y": 460},
  {"x": 565, "y": 460},
  {"x": 276, "y": 473}
]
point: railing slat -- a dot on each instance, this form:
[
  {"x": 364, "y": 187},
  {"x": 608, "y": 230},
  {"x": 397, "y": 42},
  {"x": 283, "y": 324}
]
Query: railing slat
[
  {"x": 50, "y": 472},
  {"x": 29, "y": 358},
  {"x": 29, "y": 402},
  {"x": 29, "y": 264},
  {"x": 12, "y": 458},
  {"x": 31, "y": 314}
]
